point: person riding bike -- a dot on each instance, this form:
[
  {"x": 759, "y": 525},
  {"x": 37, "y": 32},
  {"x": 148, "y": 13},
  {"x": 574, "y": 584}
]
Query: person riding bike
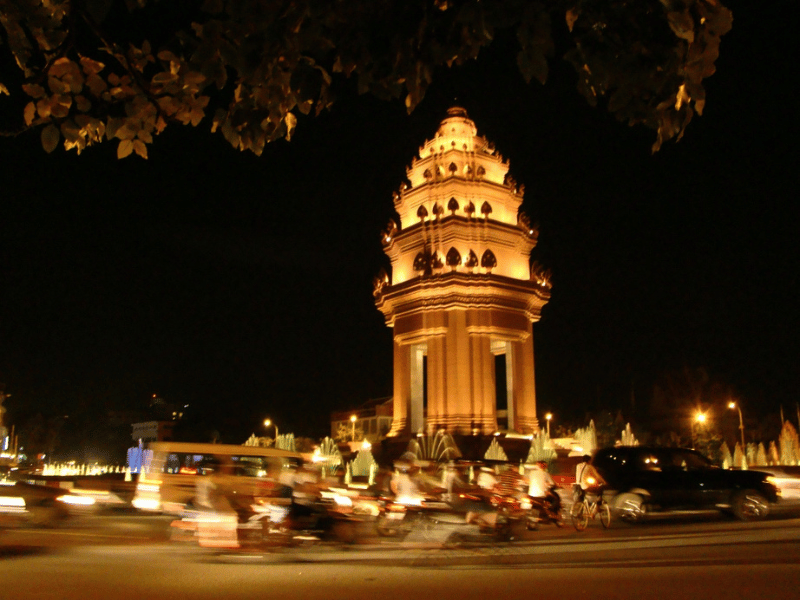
[{"x": 587, "y": 479}]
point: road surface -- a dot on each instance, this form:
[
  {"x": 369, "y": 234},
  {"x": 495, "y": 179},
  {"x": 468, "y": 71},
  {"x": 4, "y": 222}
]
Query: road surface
[{"x": 128, "y": 557}]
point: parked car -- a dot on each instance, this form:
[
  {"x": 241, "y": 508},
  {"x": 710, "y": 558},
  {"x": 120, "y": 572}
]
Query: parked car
[
  {"x": 644, "y": 479},
  {"x": 37, "y": 505}
]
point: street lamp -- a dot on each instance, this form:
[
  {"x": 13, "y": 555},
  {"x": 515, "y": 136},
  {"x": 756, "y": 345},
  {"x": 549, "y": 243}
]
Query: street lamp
[
  {"x": 548, "y": 417},
  {"x": 699, "y": 418},
  {"x": 741, "y": 423},
  {"x": 268, "y": 423},
  {"x": 353, "y": 419}
]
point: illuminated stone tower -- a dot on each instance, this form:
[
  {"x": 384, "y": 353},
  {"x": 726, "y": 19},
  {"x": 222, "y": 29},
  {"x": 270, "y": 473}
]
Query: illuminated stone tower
[{"x": 462, "y": 289}]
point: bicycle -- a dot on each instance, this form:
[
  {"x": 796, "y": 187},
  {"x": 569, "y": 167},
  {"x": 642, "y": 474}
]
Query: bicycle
[{"x": 584, "y": 509}]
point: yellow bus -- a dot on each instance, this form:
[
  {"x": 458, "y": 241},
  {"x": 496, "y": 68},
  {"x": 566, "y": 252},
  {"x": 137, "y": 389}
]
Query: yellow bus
[{"x": 171, "y": 476}]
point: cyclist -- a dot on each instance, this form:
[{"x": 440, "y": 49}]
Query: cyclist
[{"x": 587, "y": 479}]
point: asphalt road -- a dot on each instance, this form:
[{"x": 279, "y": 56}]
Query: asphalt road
[{"x": 128, "y": 556}]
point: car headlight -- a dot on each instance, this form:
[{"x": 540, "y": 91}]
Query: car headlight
[
  {"x": 773, "y": 481},
  {"x": 12, "y": 502},
  {"x": 76, "y": 500},
  {"x": 146, "y": 503}
]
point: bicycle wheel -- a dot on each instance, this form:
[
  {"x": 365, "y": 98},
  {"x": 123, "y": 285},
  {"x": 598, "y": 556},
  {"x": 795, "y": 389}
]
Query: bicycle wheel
[
  {"x": 605, "y": 514},
  {"x": 580, "y": 515}
]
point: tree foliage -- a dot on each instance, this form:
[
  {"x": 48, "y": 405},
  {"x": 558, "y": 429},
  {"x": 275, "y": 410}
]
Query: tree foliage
[{"x": 86, "y": 71}]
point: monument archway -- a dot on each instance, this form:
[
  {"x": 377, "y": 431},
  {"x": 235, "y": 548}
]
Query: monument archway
[{"x": 462, "y": 290}]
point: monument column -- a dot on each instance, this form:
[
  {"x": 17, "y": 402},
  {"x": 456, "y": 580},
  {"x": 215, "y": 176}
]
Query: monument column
[
  {"x": 437, "y": 384},
  {"x": 402, "y": 390},
  {"x": 484, "y": 413},
  {"x": 524, "y": 385}
]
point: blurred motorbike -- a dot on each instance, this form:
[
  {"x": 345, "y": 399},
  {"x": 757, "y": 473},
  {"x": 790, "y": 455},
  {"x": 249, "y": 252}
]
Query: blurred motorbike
[
  {"x": 399, "y": 517},
  {"x": 544, "y": 511},
  {"x": 274, "y": 522},
  {"x": 466, "y": 514}
]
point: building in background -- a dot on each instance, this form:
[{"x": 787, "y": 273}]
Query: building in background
[
  {"x": 373, "y": 420},
  {"x": 153, "y": 431}
]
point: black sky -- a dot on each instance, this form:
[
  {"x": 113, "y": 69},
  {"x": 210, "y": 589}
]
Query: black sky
[{"x": 241, "y": 285}]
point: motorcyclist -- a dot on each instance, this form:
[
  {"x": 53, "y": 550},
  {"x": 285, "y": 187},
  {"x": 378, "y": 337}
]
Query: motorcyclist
[
  {"x": 510, "y": 484},
  {"x": 217, "y": 523},
  {"x": 451, "y": 482},
  {"x": 482, "y": 513},
  {"x": 305, "y": 497},
  {"x": 487, "y": 478},
  {"x": 405, "y": 484},
  {"x": 542, "y": 490}
]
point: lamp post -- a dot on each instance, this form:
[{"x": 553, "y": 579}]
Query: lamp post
[
  {"x": 548, "y": 417},
  {"x": 699, "y": 418},
  {"x": 353, "y": 419},
  {"x": 741, "y": 423},
  {"x": 268, "y": 423}
]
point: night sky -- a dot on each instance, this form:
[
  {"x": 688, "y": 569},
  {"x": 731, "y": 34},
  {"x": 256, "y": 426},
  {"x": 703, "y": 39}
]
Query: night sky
[{"x": 241, "y": 285}]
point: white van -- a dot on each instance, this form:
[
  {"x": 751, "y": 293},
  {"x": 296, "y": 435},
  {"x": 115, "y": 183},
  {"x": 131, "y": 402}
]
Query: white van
[{"x": 169, "y": 480}]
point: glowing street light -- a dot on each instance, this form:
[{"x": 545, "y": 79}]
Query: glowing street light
[
  {"x": 268, "y": 423},
  {"x": 699, "y": 418},
  {"x": 548, "y": 417},
  {"x": 732, "y": 405},
  {"x": 353, "y": 420}
]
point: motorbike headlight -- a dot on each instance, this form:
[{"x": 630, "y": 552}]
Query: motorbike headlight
[
  {"x": 408, "y": 501},
  {"x": 342, "y": 500}
]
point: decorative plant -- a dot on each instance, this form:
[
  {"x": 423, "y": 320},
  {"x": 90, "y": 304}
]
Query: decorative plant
[{"x": 495, "y": 451}]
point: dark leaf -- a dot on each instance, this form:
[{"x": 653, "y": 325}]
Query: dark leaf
[
  {"x": 50, "y": 138},
  {"x": 98, "y": 9},
  {"x": 532, "y": 64},
  {"x": 125, "y": 148}
]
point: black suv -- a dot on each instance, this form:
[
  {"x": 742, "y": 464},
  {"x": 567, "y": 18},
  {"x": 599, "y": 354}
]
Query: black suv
[{"x": 646, "y": 479}]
